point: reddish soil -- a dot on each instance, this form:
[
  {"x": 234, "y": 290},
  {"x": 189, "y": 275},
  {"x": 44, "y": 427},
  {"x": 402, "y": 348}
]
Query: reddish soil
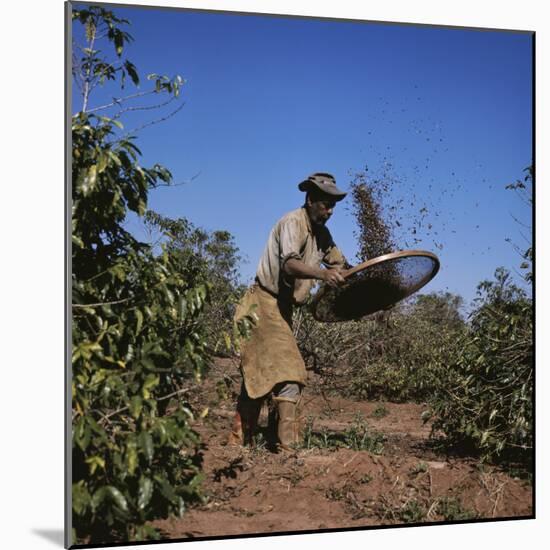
[{"x": 255, "y": 490}]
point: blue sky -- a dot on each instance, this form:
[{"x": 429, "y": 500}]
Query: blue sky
[{"x": 268, "y": 100}]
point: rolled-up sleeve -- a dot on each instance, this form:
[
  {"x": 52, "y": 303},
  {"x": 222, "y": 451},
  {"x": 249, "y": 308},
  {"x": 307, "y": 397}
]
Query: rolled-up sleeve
[{"x": 334, "y": 258}]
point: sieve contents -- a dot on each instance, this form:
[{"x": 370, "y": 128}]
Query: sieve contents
[{"x": 377, "y": 287}]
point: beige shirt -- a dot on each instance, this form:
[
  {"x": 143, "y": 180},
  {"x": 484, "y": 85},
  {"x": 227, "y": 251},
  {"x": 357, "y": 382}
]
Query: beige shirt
[{"x": 293, "y": 237}]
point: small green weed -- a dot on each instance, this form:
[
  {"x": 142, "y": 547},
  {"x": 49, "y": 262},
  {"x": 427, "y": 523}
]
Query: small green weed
[
  {"x": 451, "y": 509},
  {"x": 357, "y": 437},
  {"x": 412, "y": 512},
  {"x": 419, "y": 468},
  {"x": 223, "y": 388},
  {"x": 335, "y": 493},
  {"x": 380, "y": 411},
  {"x": 421, "y": 510}
]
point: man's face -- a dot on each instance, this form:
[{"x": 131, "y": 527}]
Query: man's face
[{"x": 320, "y": 209}]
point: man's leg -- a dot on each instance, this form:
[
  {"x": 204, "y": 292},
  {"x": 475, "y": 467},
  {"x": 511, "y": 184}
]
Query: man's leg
[
  {"x": 287, "y": 396},
  {"x": 245, "y": 420}
]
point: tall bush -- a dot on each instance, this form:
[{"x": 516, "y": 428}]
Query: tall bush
[
  {"x": 213, "y": 256},
  {"x": 398, "y": 355},
  {"x": 487, "y": 402},
  {"x": 139, "y": 336}
]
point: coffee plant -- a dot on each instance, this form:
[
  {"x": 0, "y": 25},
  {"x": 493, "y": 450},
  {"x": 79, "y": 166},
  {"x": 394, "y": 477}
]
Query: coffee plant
[
  {"x": 486, "y": 403},
  {"x": 382, "y": 356},
  {"x": 139, "y": 336},
  {"x": 212, "y": 256}
]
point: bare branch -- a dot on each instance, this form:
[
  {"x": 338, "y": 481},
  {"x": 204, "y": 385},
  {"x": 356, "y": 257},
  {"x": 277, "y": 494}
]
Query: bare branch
[
  {"x": 525, "y": 237},
  {"x": 179, "y": 183},
  {"x": 118, "y": 100},
  {"x": 145, "y": 107},
  {"x": 524, "y": 195},
  {"x": 102, "y": 303},
  {"x": 163, "y": 398},
  {"x": 519, "y": 222},
  {"x": 156, "y": 121}
]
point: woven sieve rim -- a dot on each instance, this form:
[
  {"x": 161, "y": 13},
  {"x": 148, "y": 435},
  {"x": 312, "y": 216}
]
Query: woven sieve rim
[{"x": 384, "y": 258}]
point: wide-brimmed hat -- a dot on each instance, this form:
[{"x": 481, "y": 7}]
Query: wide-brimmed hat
[{"x": 325, "y": 183}]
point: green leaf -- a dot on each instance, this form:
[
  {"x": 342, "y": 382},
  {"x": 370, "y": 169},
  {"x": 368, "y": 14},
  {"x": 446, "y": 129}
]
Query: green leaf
[
  {"x": 182, "y": 309},
  {"x": 141, "y": 207},
  {"x": 148, "y": 312},
  {"x": 169, "y": 295},
  {"x": 150, "y": 382},
  {"x": 227, "y": 340},
  {"x": 160, "y": 429},
  {"x": 139, "y": 320},
  {"x": 81, "y": 498},
  {"x": 102, "y": 163},
  {"x": 130, "y": 67},
  {"x": 136, "y": 404},
  {"x": 166, "y": 490},
  {"x": 114, "y": 157},
  {"x": 118, "y": 42},
  {"x": 148, "y": 364},
  {"x": 146, "y": 443},
  {"x": 77, "y": 241},
  {"x": 82, "y": 434},
  {"x": 131, "y": 456},
  {"x": 145, "y": 492},
  {"x": 89, "y": 181},
  {"x": 95, "y": 462},
  {"x": 98, "y": 498},
  {"x": 118, "y": 498},
  {"x": 181, "y": 507},
  {"x": 130, "y": 353}
]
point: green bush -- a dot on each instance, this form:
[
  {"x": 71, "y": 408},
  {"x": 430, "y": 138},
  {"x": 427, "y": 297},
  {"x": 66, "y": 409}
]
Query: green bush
[
  {"x": 400, "y": 355},
  {"x": 487, "y": 402},
  {"x": 139, "y": 335},
  {"x": 211, "y": 256}
]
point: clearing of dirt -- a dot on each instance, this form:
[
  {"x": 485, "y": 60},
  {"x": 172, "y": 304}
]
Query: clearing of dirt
[{"x": 318, "y": 487}]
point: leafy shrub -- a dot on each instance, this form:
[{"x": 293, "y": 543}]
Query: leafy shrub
[
  {"x": 399, "y": 355},
  {"x": 139, "y": 336},
  {"x": 488, "y": 402},
  {"x": 211, "y": 256}
]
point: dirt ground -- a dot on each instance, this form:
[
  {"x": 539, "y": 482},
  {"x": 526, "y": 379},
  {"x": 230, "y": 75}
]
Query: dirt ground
[{"x": 255, "y": 490}]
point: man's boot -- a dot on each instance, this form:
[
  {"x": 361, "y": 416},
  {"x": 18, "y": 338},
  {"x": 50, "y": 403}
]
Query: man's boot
[
  {"x": 287, "y": 428},
  {"x": 245, "y": 421}
]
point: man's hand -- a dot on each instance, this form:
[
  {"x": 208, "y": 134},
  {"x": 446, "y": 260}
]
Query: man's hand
[
  {"x": 333, "y": 277},
  {"x": 297, "y": 268}
]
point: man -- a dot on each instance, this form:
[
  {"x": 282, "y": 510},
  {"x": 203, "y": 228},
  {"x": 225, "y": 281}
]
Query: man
[{"x": 291, "y": 263}]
